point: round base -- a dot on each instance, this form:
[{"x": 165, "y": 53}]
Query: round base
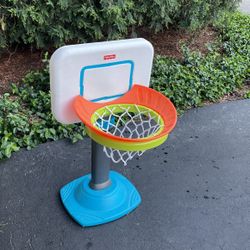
[{"x": 91, "y": 207}]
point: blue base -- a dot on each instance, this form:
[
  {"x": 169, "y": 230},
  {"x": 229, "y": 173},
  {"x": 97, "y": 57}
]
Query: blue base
[{"x": 91, "y": 207}]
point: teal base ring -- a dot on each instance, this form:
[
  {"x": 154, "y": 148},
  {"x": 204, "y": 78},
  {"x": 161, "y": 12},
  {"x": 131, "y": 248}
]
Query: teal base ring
[{"x": 90, "y": 207}]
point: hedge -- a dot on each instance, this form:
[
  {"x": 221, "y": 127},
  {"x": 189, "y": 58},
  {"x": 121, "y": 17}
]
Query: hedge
[
  {"x": 200, "y": 78},
  {"x": 26, "y": 119},
  {"x": 52, "y": 23}
]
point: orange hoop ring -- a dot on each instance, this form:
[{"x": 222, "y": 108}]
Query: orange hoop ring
[{"x": 138, "y": 95}]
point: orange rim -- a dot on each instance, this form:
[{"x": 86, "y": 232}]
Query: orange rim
[{"x": 138, "y": 95}]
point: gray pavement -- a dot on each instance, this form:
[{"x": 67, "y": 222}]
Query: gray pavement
[
  {"x": 245, "y": 6},
  {"x": 195, "y": 190}
]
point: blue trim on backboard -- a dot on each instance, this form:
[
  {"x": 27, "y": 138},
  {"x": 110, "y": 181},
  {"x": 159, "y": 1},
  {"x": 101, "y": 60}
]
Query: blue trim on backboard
[{"x": 83, "y": 70}]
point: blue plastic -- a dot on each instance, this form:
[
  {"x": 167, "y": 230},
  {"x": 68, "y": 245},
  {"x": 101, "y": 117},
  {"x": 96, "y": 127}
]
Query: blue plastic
[
  {"x": 91, "y": 207},
  {"x": 104, "y": 124},
  {"x": 83, "y": 71}
]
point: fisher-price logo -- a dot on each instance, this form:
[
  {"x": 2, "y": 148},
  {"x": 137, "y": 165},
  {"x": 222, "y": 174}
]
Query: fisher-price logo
[{"x": 109, "y": 57}]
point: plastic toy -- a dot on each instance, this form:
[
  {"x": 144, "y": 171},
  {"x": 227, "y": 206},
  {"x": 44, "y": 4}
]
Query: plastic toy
[{"x": 105, "y": 85}]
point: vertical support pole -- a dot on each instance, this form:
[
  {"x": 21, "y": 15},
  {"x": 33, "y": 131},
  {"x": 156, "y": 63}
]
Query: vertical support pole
[{"x": 100, "y": 166}]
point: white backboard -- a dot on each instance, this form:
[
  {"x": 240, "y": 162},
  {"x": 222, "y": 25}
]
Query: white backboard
[{"x": 99, "y": 72}]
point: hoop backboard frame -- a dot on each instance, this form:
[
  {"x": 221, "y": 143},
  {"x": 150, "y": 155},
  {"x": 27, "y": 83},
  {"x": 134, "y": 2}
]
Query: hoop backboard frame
[{"x": 99, "y": 72}]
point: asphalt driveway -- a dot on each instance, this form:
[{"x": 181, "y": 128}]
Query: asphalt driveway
[{"x": 195, "y": 190}]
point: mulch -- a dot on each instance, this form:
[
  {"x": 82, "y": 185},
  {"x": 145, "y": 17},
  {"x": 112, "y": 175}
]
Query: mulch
[
  {"x": 14, "y": 65},
  {"x": 168, "y": 42}
]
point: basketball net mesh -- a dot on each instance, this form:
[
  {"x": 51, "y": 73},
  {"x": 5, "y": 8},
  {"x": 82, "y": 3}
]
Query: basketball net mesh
[{"x": 127, "y": 121}]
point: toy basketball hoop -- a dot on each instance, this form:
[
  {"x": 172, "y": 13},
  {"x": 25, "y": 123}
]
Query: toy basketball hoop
[
  {"x": 122, "y": 118},
  {"x": 133, "y": 123}
]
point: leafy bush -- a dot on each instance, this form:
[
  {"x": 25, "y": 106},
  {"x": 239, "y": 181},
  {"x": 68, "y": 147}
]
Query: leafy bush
[
  {"x": 26, "y": 119},
  {"x": 53, "y": 23},
  {"x": 198, "y": 78},
  {"x": 197, "y": 13},
  {"x": 50, "y": 22},
  {"x": 247, "y": 95}
]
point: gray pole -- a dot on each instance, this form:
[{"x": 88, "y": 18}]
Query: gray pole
[{"x": 100, "y": 166}]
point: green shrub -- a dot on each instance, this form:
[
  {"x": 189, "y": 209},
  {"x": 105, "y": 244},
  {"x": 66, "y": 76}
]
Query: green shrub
[
  {"x": 53, "y": 23},
  {"x": 47, "y": 23},
  {"x": 198, "y": 78},
  {"x": 26, "y": 119},
  {"x": 156, "y": 14},
  {"x": 197, "y": 13},
  {"x": 247, "y": 95}
]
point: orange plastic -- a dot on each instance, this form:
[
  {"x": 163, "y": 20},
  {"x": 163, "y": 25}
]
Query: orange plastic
[{"x": 139, "y": 95}]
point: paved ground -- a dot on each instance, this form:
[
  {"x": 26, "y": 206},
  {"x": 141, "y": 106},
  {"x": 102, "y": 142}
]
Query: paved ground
[
  {"x": 195, "y": 191},
  {"x": 245, "y": 6}
]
